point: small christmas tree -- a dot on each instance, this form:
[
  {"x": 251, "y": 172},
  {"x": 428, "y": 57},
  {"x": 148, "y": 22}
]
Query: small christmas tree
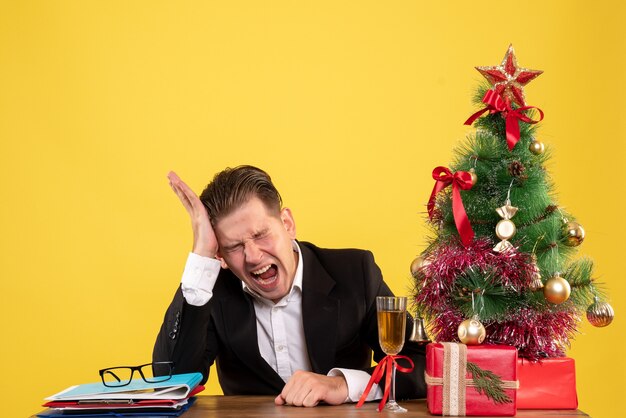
[{"x": 499, "y": 266}]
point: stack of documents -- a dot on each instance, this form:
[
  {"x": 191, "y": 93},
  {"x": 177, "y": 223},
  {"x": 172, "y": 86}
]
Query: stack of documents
[{"x": 166, "y": 399}]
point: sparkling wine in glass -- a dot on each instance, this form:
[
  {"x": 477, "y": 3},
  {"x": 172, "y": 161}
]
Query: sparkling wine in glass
[{"x": 391, "y": 312}]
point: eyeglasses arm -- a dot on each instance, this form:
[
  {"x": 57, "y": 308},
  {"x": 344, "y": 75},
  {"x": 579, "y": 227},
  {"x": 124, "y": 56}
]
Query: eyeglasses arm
[{"x": 111, "y": 373}]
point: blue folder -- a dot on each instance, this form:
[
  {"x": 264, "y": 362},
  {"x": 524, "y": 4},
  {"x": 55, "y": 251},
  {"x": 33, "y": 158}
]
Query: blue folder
[{"x": 178, "y": 387}]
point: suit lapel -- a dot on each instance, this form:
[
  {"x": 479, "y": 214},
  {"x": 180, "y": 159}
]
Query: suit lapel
[
  {"x": 239, "y": 320},
  {"x": 320, "y": 313}
]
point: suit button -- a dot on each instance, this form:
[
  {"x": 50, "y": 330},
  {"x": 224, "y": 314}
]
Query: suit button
[{"x": 172, "y": 335}]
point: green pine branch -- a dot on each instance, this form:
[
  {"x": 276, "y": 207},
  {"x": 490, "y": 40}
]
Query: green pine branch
[
  {"x": 488, "y": 383},
  {"x": 480, "y": 293},
  {"x": 578, "y": 274}
]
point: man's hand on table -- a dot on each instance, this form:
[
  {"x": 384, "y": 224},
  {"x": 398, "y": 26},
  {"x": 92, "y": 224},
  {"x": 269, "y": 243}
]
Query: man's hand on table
[{"x": 309, "y": 389}]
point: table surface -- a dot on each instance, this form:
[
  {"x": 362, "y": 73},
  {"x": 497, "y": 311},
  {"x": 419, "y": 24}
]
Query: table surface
[{"x": 263, "y": 407}]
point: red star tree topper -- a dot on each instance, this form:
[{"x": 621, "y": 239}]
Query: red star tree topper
[{"x": 508, "y": 79}]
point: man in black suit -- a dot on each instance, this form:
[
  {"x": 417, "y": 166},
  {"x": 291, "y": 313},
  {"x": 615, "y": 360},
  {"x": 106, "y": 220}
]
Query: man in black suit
[{"x": 280, "y": 316}]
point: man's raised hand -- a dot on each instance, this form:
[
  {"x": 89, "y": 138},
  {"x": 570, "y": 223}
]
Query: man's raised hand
[{"x": 204, "y": 241}]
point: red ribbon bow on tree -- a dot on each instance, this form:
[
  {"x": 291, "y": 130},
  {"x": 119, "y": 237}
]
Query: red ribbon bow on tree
[
  {"x": 496, "y": 104},
  {"x": 385, "y": 366},
  {"x": 461, "y": 180}
]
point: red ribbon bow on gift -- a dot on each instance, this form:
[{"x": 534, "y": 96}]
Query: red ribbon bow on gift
[
  {"x": 496, "y": 104},
  {"x": 385, "y": 365},
  {"x": 461, "y": 180}
]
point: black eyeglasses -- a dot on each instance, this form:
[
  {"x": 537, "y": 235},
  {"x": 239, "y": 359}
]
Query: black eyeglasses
[{"x": 156, "y": 372}]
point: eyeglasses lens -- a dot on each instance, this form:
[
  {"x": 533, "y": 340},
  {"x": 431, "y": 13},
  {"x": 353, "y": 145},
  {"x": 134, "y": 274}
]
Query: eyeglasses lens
[{"x": 118, "y": 376}]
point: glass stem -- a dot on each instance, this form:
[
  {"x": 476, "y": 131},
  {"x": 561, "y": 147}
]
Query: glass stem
[{"x": 392, "y": 393}]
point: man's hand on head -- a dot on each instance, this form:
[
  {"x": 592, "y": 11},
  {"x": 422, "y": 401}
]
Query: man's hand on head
[
  {"x": 309, "y": 389},
  {"x": 204, "y": 240}
]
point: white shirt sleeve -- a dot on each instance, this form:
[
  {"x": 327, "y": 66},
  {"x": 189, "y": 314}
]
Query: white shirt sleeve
[
  {"x": 357, "y": 382},
  {"x": 199, "y": 278}
]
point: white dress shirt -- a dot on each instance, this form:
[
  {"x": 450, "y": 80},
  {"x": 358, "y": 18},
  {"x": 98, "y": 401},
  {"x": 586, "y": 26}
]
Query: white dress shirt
[{"x": 279, "y": 325}]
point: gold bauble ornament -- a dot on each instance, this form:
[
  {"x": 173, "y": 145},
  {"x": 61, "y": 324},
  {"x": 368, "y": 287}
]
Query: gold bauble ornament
[
  {"x": 536, "y": 147},
  {"x": 419, "y": 264},
  {"x": 573, "y": 234},
  {"x": 556, "y": 289},
  {"x": 600, "y": 314},
  {"x": 472, "y": 332},
  {"x": 474, "y": 176}
]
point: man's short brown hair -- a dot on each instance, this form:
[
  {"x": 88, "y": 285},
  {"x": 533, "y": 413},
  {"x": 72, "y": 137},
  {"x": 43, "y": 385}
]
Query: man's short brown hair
[{"x": 233, "y": 187}]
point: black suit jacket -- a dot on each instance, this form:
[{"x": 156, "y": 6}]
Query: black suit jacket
[{"x": 339, "y": 289}]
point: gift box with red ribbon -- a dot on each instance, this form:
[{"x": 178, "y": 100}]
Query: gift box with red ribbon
[
  {"x": 471, "y": 380},
  {"x": 548, "y": 384}
]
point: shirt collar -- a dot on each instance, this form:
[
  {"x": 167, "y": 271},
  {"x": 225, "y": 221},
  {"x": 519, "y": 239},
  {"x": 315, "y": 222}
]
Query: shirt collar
[{"x": 297, "y": 280}]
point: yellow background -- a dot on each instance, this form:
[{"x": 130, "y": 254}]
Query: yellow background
[{"x": 348, "y": 105}]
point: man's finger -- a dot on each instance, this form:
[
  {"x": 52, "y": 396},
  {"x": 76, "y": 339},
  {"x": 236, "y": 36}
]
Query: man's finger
[
  {"x": 286, "y": 390},
  {"x": 301, "y": 394},
  {"x": 181, "y": 185},
  {"x": 189, "y": 199},
  {"x": 190, "y": 195},
  {"x": 311, "y": 400},
  {"x": 183, "y": 198},
  {"x": 279, "y": 400},
  {"x": 173, "y": 177}
]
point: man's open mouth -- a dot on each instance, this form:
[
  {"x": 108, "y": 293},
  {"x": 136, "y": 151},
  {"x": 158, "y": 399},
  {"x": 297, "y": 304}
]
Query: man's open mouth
[{"x": 265, "y": 275}]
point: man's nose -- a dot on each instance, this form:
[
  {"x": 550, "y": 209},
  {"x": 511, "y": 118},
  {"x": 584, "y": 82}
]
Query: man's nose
[{"x": 253, "y": 253}]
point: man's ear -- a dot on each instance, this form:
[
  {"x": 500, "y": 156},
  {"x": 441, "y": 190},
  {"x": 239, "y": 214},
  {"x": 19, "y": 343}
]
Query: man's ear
[
  {"x": 288, "y": 222},
  {"x": 219, "y": 258}
]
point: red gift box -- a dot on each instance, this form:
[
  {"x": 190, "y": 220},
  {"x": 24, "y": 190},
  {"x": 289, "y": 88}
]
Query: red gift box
[
  {"x": 450, "y": 387},
  {"x": 548, "y": 384}
]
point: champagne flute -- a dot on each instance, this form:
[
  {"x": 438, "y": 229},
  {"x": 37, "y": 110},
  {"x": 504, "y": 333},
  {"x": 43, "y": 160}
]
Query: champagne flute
[{"x": 391, "y": 311}]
